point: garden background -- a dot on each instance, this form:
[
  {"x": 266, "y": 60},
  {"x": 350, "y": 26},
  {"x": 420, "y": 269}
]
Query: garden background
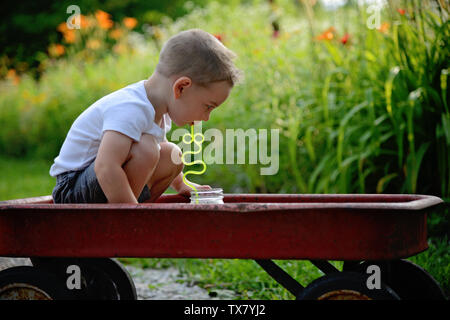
[{"x": 360, "y": 100}]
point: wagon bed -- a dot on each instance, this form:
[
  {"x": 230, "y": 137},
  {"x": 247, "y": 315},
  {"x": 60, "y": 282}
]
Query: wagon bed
[{"x": 307, "y": 226}]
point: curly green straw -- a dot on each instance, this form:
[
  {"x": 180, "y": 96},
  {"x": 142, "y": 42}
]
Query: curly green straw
[{"x": 199, "y": 143}]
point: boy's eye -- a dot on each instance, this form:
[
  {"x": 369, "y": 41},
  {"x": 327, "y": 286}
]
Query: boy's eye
[{"x": 209, "y": 107}]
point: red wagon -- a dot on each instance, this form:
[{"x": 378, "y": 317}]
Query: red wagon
[{"x": 371, "y": 233}]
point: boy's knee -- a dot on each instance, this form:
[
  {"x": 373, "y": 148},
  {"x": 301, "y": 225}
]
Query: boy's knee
[{"x": 146, "y": 150}]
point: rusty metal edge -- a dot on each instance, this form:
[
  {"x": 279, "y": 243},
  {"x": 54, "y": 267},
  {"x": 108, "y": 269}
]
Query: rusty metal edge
[
  {"x": 418, "y": 202},
  {"x": 33, "y": 200}
]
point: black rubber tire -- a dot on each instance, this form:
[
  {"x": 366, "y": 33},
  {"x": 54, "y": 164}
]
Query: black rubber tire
[
  {"x": 102, "y": 278},
  {"x": 120, "y": 277},
  {"x": 352, "y": 282},
  {"x": 48, "y": 283},
  {"x": 410, "y": 281}
]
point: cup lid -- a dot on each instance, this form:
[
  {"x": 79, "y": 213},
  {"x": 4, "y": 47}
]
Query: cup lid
[{"x": 207, "y": 192}]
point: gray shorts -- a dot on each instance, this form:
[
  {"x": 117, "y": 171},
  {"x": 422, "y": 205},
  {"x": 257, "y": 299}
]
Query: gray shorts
[{"x": 82, "y": 187}]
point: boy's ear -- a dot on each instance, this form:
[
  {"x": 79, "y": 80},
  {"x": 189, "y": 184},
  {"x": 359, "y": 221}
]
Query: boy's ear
[{"x": 180, "y": 84}]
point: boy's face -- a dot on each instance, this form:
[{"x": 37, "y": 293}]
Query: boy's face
[{"x": 192, "y": 102}]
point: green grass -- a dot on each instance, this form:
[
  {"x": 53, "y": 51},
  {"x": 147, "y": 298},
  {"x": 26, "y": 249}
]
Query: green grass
[
  {"x": 246, "y": 278},
  {"x": 29, "y": 178},
  {"x": 249, "y": 281},
  {"x": 22, "y": 178},
  {"x": 436, "y": 261}
]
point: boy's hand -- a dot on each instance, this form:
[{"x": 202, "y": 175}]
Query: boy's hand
[{"x": 185, "y": 190}]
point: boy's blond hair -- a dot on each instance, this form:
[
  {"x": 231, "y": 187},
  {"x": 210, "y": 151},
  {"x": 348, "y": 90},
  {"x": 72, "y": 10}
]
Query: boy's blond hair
[{"x": 200, "y": 56}]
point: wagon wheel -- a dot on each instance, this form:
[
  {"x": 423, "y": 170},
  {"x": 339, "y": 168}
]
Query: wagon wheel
[
  {"x": 30, "y": 283},
  {"x": 108, "y": 274},
  {"x": 409, "y": 280},
  {"x": 101, "y": 278},
  {"x": 345, "y": 286}
]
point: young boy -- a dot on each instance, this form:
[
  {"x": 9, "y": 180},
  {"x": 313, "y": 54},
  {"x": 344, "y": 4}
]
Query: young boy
[{"x": 117, "y": 151}]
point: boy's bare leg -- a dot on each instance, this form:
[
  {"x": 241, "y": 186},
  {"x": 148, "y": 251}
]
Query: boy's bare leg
[
  {"x": 166, "y": 170},
  {"x": 141, "y": 162}
]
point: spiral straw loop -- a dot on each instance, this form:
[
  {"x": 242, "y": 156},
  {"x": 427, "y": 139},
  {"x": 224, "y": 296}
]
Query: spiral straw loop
[{"x": 192, "y": 139}]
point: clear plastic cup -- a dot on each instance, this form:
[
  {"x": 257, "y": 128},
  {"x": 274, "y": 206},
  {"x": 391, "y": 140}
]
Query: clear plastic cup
[{"x": 207, "y": 196}]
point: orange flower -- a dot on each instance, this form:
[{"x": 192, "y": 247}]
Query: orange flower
[
  {"x": 219, "y": 37},
  {"x": 384, "y": 27},
  {"x": 62, "y": 27},
  {"x": 56, "y": 50},
  {"x": 85, "y": 23},
  {"x": 69, "y": 36},
  {"x": 327, "y": 34},
  {"x": 130, "y": 23},
  {"x": 115, "y": 34},
  {"x": 12, "y": 75},
  {"x": 401, "y": 11},
  {"x": 103, "y": 19},
  {"x": 345, "y": 38}
]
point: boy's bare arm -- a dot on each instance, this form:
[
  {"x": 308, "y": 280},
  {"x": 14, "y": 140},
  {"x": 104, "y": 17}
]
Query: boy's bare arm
[
  {"x": 112, "y": 153},
  {"x": 178, "y": 182}
]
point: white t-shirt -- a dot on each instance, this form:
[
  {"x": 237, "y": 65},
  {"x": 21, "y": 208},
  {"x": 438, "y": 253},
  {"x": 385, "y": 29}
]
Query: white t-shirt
[{"x": 127, "y": 110}]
